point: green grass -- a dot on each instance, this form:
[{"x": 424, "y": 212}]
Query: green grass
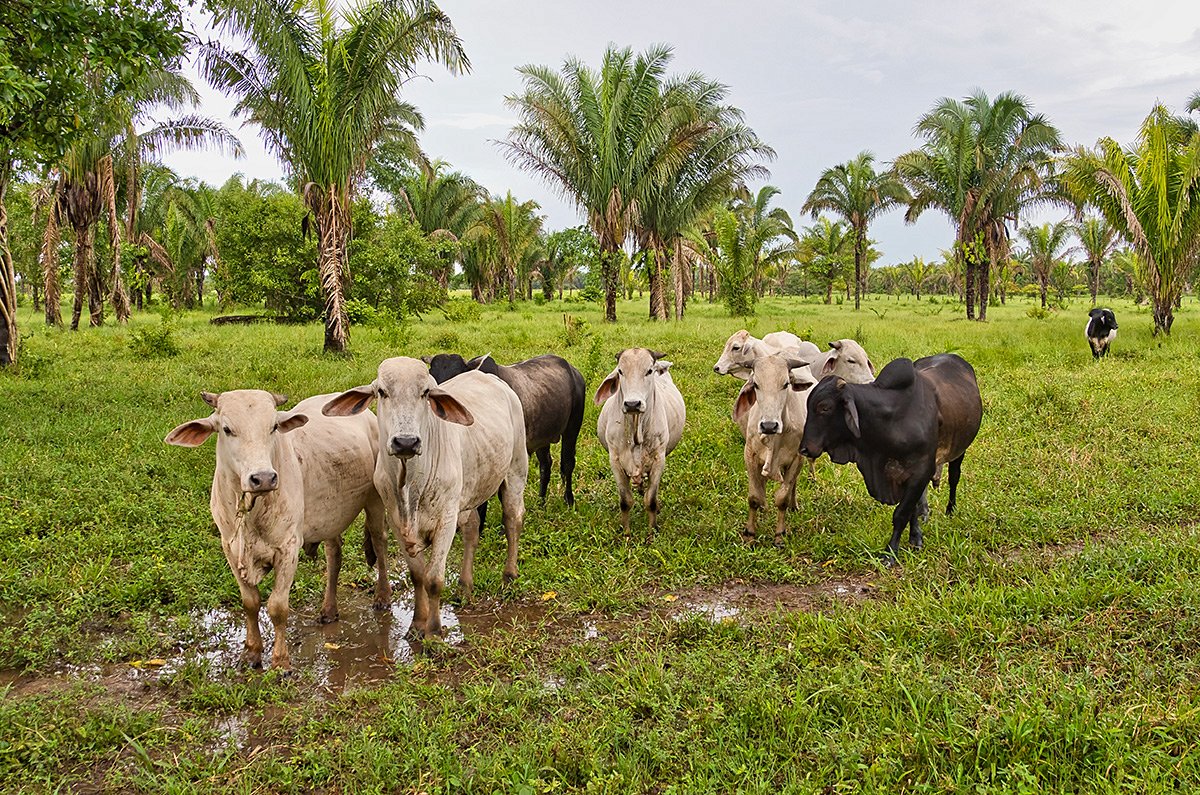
[{"x": 1045, "y": 640}]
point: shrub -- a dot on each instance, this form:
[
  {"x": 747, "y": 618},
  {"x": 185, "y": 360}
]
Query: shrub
[
  {"x": 155, "y": 342},
  {"x": 461, "y": 310}
]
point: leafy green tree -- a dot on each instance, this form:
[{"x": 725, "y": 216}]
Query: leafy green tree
[
  {"x": 1150, "y": 193},
  {"x": 568, "y": 253},
  {"x": 1046, "y": 246},
  {"x": 58, "y": 58},
  {"x": 766, "y": 231},
  {"x": 917, "y": 273},
  {"x": 443, "y": 204},
  {"x": 1096, "y": 241},
  {"x": 857, "y": 193},
  {"x": 394, "y": 263},
  {"x": 983, "y": 162},
  {"x": 732, "y": 257},
  {"x": 323, "y": 87}
]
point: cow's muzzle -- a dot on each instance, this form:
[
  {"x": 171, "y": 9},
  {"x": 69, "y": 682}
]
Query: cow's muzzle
[
  {"x": 633, "y": 406},
  {"x": 263, "y": 480},
  {"x": 768, "y": 427},
  {"x": 404, "y": 446}
]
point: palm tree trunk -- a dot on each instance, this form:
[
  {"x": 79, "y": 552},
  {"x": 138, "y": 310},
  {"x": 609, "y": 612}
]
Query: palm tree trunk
[
  {"x": 84, "y": 243},
  {"x": 1164, "y": 315},
  {"x": 1042, "y": 280},
  {"x": 985, "y": 287},
  {"x": 333, "y": 227},
  {"x": 610, "y": 274},
  {"x": 969, "y": 268},
  {"x": 119, "y": 296},
  {"x": 8, "y": 280},
  {"x": 678, "y": 277},
  {"x": 49, "y": 257},
  {"x": 1095, "y": 281},
  {"x": 860, "y": 237}
]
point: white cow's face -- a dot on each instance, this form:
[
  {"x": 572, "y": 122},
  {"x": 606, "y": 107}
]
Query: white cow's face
[
  {"x": 633, "y": 380},
  {"x": 407, "y": 401},
  {"x": 248, "y": 428},
  {"x": 738, "y": 355},
  {"x": 772, "y": 378},
  {"x": 848, "y": 361}
]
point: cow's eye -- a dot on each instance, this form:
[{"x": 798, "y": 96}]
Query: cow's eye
[
  {"x": 381, "y": 393},
  {"x": 425, "y": 393},
  {"x": 736, "y": 348},
  {"x": 228, "y": 431},
  {"x": 651, "y": 370},
  {"x": 619, "y": 371},
  {"x": 274, "y": 427}
]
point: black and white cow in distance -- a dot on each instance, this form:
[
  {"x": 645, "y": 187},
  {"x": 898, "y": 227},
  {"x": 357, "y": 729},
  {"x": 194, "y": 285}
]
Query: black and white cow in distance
[
  {"x": 553, "y": 397},
  {"x": 1101, "y": 331},
  {"x": 898, "y": 430}
]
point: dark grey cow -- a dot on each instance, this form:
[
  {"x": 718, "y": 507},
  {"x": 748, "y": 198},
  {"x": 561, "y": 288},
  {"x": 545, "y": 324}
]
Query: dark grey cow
[
  {"x": 552, "y": 394},
  {"x": 899, "y": 429}
]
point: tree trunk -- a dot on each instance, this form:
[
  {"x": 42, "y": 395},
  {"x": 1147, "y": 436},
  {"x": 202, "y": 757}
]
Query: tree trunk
[
  {"x": 85, "y": 238},
  {"x": 969, "y": 267},
  {"x": 985, "y": 287},
  {"x": 8, "y": 279},
  {"x": 678, "y": 276},
  {"x": 1163, "y": 314},
  {"x": 860, "y": 238},
  {"x": 119, "y": 296},
  {"x": 1042, "y": 279},
  {"x": 50, "y": 285},
  {"x": 333, "y": 226},
  {"x": 658, "y": 290},
  {"x": 1095, "y": 281},
  {"x": 609, "y": 274}
]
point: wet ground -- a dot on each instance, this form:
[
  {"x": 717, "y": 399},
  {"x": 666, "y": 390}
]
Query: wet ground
[{"x": 366, "y": 647}]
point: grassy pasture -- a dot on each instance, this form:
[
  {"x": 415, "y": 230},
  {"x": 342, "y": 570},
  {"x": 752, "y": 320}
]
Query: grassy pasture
[{"x": 1046, "y": 638}]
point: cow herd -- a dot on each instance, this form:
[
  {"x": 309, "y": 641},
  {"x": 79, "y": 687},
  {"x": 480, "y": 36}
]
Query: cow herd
[{"x": 448, "y": 434}]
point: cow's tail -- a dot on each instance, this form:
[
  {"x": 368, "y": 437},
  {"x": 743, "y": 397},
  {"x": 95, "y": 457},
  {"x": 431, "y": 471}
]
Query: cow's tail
[{"x": 369, "y": 548}]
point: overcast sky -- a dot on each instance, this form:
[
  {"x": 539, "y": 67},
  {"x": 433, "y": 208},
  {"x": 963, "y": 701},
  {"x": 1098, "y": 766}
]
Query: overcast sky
[{"x": 819, "y": 82}]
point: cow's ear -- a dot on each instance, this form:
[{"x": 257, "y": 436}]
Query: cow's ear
[
  {"x": 871, "y": 367},
  {"x": 745, "y": 399},
  {"x": 428, "y": 359},
  {"x": 852, "y": 417},
  {"x": 210, "y": 398},
  {"x": 607, "y": 388},
  {"x": 192, "y": 434},
  {"x": 446, "y": 407},
  {"x": 656, "y": 355},
  {"x": 795, "y": 362},
  {"x": 477, "y": 362},
  {"x": 662, "y": 366},
  {"x": 279, "y": 399},
  {"x": 290, "y": 421},
  {"x": 801, "y": 378},
  {"x": 350, "y": 402},
  {"x": 827, "y": 368},
  {"x": 618, "y": 356},
  {"x": 836, "y": 345}
]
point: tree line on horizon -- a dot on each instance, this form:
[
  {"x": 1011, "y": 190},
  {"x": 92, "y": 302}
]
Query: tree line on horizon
[{"x": 661, "y": 166}]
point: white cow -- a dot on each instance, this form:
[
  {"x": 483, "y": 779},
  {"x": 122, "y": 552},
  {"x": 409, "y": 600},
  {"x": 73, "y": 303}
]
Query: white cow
[
  {"x": 443, "y": 451},
  {"x": 845, "y": 359},
  {"x": 741, "y": 350},
  {"x": 771, "y": 410},
  {"x": 284, "y": 479},
  {"x": 640, "y": 423}
]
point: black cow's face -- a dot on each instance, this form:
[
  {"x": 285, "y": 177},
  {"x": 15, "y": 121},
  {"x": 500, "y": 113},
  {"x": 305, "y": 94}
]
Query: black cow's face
[
  {"x": 444, "y": 366},
  {"x": 1104, "y": 320},
  {"x": 832, "y": 422}
]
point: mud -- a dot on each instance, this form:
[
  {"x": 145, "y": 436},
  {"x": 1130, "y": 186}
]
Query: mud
[{"x": 740, "y": 601}]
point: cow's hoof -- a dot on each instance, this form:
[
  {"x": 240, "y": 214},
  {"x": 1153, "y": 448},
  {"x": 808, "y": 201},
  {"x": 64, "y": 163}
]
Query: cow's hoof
[
  {"x": 747, "y": 537},
  {"x": 887, "y": 558},
  {"x": 778, "y": 542},
  {"x": 380, "y": 605},
  {"x": 327, "y": 618}
]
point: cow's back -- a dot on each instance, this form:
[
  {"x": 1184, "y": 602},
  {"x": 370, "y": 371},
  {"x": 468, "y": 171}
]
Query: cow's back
[
  {"x": 493, "y": 444},
  {"x": 337, "y": 456},
  {"x": 960, "y": 407},
  {"x": 670, "y": 401},
  {"x": 550, "y": 391}
]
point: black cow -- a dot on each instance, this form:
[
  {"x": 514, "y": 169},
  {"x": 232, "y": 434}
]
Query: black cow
[
  {"x": 915, "y": 417},
  {"x": 552, "y": 395},
  {"x": 1101, "y": 331}
]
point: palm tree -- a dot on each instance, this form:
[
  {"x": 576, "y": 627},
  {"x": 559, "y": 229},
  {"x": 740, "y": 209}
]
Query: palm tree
[
  {"x": 444, "y": 204},
  {"x": 323, "y": 88},
  {"x": 856, "y": 192},
  {"x": 983, "y": 162},
  {"x": 619, "y": 142},
  {"x": 824, "y": 251},
  {"x": 1045, "y": 245},
  {"x": 731, "y": 255},
  {"x": 1149, "y": 193},
  {"x": 513, "y": 230},
  {"x": 1096, "y": 241},
  {"x": 767, "y": 231},
  {"x": 918, "y": 272}
]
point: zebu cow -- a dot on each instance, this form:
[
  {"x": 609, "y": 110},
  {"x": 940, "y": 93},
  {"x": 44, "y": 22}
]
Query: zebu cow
[
  {"x": 771, "y": 411},
  {"x": 443, "y": 451},
  {"x": 741, "y": 349},
  {"x": 284, "y": 479},
  {"x": 1101, "y": 330},
  {"x": 845, "y": 359},
  {"x": 899, "y": 429},
  {"x": 640, "y": 423}
]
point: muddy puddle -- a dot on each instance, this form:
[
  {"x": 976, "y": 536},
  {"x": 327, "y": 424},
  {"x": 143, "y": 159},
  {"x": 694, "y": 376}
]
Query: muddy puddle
[{"x": 739, "y": 601}]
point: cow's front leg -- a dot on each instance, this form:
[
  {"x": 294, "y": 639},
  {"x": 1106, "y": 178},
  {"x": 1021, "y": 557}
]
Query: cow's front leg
[
  {"x": 657, "y": 466},
  {"x": 907, "y": 514},
  {"x": 624, "y": 492},
  {"x": 756, "y": 493},
  {"x": 435, "y": 570},
  {"x": 785, "y": 498},
  {"x": 251, "y": 601},
  {"x": 333, "y": 567},
  {"x": 512, "y": 500},
  {"x": 278, "y": 608},
  {"x": 377, "y": 538},
  {"x": 545, "y": 464}
]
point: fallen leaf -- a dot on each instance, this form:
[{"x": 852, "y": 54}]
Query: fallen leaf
[
  {"x": 670, "y": 597},
  {"x": 156, "y": 662},
  {"x": 333, "y": 646},
  {"x": 548, "y": 595}
]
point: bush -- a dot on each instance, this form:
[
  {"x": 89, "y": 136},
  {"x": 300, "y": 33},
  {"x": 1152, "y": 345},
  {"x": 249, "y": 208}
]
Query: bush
[
  {"x": 1038, "y": 313},
  {"x": 461, "y": 310},
  {"x": 575, "y": 330},
  {"x": 155, "y": 342}
]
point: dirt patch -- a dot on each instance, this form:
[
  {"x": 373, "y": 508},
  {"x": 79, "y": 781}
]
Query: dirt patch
[
  {"x": 1048, "y": 553},
  {"x": 738, "y": 600}
]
